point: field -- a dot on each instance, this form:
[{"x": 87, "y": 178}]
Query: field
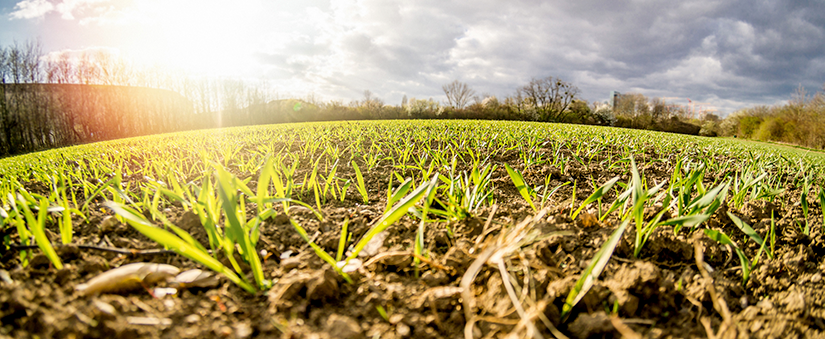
[{"x": 414, "y": 229}]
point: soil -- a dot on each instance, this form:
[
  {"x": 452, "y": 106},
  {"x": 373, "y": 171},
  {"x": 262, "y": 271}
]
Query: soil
[{"x": 661, "y": 294}]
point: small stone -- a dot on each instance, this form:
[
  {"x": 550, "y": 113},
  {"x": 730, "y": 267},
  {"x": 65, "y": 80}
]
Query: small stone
[
  {"x": 40, "y": 261},
  {"x": 224, "y": 331},
  {"x": 343, "y": 327},
  {"x": 756, "y": 326},
  {"x": 750, "y": 313},
  {"x": 108, "y": 224},
  {"x": 192, "y": 318},
  {"x": 795, "y": 301},
  {"x": 243, "y": 330},
  {"x": 148, "y": 321},
  {"x": 816, "y": 278},
  {"x": 765, "y": 305},
  {"x": 434, "y": 278},
  {"x": 169, "y": 303},
  {"x": 402, "y": 330},
  {"x": 105, "y": 308},
  {"x": 5, "y": 277},
  {"x": 350, "y": 266},
  {"x": 396, "y": 318},
  {"x": 290, "y": 263},
  {"x": 587, "y": 220},
  {"x": 590, "y": 325}
]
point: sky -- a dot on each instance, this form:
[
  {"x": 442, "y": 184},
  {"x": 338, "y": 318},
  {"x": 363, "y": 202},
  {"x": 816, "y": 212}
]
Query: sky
[{"x": 729, "y": 54}]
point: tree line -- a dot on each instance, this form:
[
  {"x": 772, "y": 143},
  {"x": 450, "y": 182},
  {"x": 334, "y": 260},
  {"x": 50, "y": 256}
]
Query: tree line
[
  {"x": 72, "y": 98},
  {"x": 800, "y": 121},
  {"x": 68, "y": 98}
]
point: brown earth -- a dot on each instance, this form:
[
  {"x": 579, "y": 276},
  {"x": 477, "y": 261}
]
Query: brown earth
[{"x": 662, "y": 294}]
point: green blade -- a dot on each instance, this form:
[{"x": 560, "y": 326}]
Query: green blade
[
  {"x": 521, "y": 186},
  {"x": 597, "y": 194},
  {"x": 748, "y": 231},
  {"x": 597, "y": 264},
  {"x": 391, "y": 217}
]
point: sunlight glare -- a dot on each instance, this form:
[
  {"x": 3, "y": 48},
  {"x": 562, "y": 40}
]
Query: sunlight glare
[{"x": 208, "y": 37}]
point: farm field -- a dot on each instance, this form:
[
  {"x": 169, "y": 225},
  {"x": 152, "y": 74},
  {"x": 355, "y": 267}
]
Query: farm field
[{"x": 414, "y": 229}]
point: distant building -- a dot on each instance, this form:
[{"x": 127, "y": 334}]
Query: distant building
[{"x": 614, "y": 99}]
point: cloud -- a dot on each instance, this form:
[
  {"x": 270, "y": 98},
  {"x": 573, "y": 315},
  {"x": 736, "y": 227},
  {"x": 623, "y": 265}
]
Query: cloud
[
  {"x": 88, "y": 11},
  {"x": 728, "y": 51},
  {"x": 731, "y": 52},
  {"x": 31, "y": 9}
]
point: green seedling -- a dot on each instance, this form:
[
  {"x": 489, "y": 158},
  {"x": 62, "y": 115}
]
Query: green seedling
[
  {"x": 573, "y": 197},
  {"x": 342, "y": 194},
  {"x": 419, "y": 236},
  {"x": 382, "y": 312},
  {"x": 65, "y": 223},
  {"x": 803, "y": 201},
  {"x": 750, "y": 232},
  {"x": 330, "y": 181},
  {"x": 342, "y": 241},
  {"x": 699, "y": 209},
  {"x": 723, "y": 239},
  {"x": 767, "y": 191},
  {"x": 545, "y": 195},
  {"x": 319, "y": 251},
  {"x": 593, "y": 270},
  {"x": 621, "y": 201},
  {"x": 822, "y": 204},
  {"x": 773, "y": 234},
  {"x": 466, "y": 193},
  {"x": 114, "y": 182},
  {"x": 521, "y": 186},
  {"x": 398, "y": 194},
  {"x": 297, "y": 202},
  {"x": 313, "y": 182},
  {"x": 235, "y": 227},
  {"x": 175, "y": 243},
  {"x": 389, "y": 218},
  {"x": 639, "y": 196},
  {"x": 264, "y": 180},
  {"x": 597, "y": 194},
  {"x": 742, "y": 184},
  {"x": 362, "y": 188},
  {"x": 37, "y": 226}
]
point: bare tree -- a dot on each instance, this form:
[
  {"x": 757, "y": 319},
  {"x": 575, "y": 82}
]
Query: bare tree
[
  {"x": 632, "y": 105},
  {"x": 659, "y": 109},
  {"x": 86, "y": 70},
  {"x": 458, "y": 94},
  {"x": 367, "y": 97},
  {"x": 549, "y": 96},
  {"x": 23, "y": 62},
  {"x": 372, "y": 105},
  {"x": 112, "y": 68},
  {"x": 59, "y": 69}
]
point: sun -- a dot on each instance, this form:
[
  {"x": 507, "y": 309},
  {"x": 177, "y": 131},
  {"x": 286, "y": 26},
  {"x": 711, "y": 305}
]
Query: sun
[{"x": 208, "y": 37}]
